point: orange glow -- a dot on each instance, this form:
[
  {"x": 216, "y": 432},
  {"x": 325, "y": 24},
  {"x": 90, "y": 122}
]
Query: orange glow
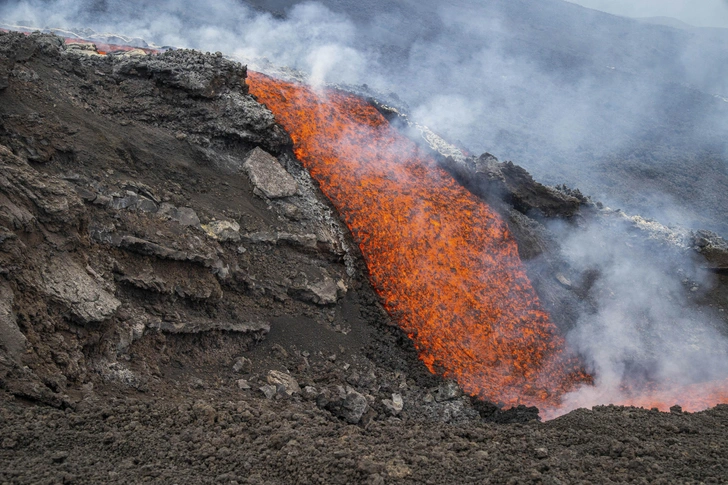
[
  {"x": 443, "y": 263},
  {"x": 691, "y": 397}
]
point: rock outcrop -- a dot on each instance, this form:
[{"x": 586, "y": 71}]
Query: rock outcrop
[{"x": 136, "y": 193}]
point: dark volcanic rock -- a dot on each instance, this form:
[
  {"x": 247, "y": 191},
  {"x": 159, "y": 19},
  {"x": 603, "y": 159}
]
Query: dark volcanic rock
[
  {"x": 713, "y": 247},
  {"x": 191, "y": 71},
  {"x": 498, "y": 181}
]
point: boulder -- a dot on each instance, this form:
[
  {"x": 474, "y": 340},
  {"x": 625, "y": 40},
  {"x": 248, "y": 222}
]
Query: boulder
[
  {"x": 71, "y": 286},
  {"x": 346, "y": 404},
  {"x": 268, "y": 176},
  {"x": 283, "y": 381}
]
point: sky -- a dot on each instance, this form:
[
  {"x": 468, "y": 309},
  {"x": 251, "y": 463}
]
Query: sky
[{"x": 700, "y": 13}]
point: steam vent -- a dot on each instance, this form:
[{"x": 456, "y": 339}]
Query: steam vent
[{"x": 210, "y": 274}]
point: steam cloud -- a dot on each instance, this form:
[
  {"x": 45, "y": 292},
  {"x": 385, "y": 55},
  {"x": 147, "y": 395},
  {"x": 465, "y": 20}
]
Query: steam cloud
[
  {"x": 643, "y": 328},
  {"x": 564, "y": 118}
]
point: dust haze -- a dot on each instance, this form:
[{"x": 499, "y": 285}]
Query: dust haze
[{"x": 629, "y": 112}]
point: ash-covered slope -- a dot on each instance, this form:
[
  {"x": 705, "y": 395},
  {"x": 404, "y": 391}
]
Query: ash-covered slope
[{"x": 195, "y": 323}]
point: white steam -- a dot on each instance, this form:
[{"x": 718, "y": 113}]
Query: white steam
[
  {"x": 311, "y": 38},
  {"x": 644, "y": 330}
]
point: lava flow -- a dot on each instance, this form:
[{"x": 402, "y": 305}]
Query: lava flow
[{"x": 444, "y": 264}]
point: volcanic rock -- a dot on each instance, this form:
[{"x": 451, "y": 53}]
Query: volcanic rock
[
  {"x": 394, "y": 405},
  {"x": 505, "y": 181},
  {"x": 269, "y": 391},
  {"x": 268, "y": 176},
  {"x": 223, "y": 230},
  {"x": 243, "y": 365},
  {"x": 713, "y": 247},
  {"x": 346, "y": 404},
  {"x": 175, "y": 69},
  {"x": 71, "y": 286},
  {"x": 11, "y": 338},
  {"x": 448, "y": 391},
  {"x": 288, "y": 383},
  {"x": 320, "y": 288},
  {"x": 168, "y": 306},
  {"x": 185, "y": 216}
]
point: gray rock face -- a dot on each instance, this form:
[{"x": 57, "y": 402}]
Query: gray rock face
[
  {"x": 498, "y": 181},
  {"x": 174, "y": 69},
  {"x": 268, "y": 176},
  {"x": 71, "y": 286},
  {"x": 11, "y": 338}
]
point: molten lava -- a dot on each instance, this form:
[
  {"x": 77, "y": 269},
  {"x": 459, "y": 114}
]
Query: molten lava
[{"x": 444, "y": 264}]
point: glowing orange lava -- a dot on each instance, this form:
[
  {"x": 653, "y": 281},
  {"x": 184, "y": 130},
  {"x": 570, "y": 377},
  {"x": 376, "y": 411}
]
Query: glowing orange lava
[{"x": 444, "y": 264}]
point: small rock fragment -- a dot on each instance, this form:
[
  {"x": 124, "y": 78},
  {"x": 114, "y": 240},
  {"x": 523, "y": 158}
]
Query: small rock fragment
[
  {"x": 243, "y": 365},
  {"x": 59, "y": 456},
  {"x": 310, "y": 393},
  {"x": 563, "y": 280},
  {"x": 243, "y": 384},
  {"x": 397, "y": 468},
  {"x": 268, "y": 390},
  {"x": 223, "y": 230},
  {"x": 185, "y": 216},
  {"x": 542, "y": 453},
  {"x": 394, "y": 405},
  {"x": 448, "y": 391},
  {"x": 349, "y": 405}
]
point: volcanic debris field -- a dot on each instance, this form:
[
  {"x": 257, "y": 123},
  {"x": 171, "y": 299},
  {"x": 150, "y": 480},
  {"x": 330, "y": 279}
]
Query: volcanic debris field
[{"x": 180, "y": 304}]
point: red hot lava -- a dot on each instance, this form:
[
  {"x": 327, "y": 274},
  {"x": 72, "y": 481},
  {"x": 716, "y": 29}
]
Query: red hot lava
[{"x": 444, "y": 264}]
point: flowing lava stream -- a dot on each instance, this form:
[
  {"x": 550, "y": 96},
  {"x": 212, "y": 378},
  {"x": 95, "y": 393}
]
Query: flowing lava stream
[{"x": 444, "y": 264}]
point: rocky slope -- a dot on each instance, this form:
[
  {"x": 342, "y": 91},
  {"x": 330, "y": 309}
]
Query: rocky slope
[{"x": 179, "y": 303}]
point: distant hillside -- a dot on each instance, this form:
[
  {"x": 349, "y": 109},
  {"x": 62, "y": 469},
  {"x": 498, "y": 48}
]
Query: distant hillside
[{"x": 667, "y": 22}]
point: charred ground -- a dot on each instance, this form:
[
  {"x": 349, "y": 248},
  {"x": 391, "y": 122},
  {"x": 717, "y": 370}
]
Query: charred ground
[{"x": 163, "y": 319}]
